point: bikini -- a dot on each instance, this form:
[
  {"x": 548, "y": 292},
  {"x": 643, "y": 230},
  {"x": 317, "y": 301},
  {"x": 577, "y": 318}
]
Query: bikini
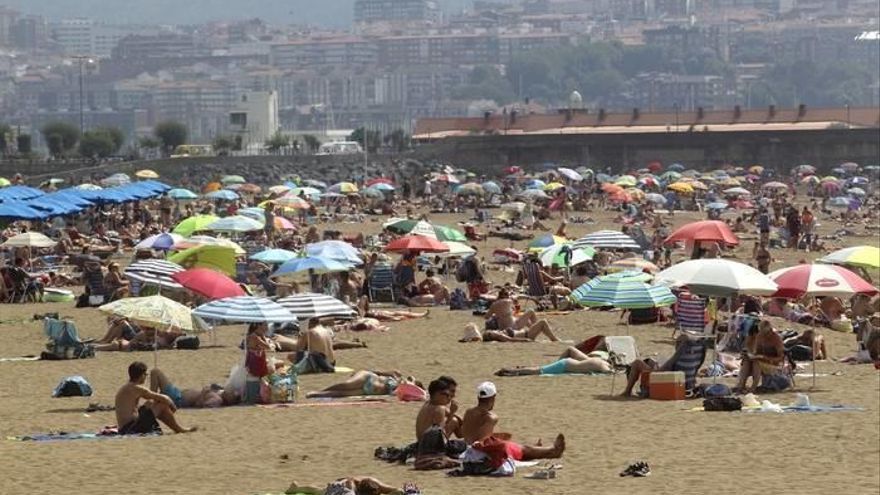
[{"x": 370, "y": 387}]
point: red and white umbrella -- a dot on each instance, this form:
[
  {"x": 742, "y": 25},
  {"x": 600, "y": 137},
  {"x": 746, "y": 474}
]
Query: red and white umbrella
[
  {"x": 819, "y": 280},
  {"x": 416, "y": 243}
]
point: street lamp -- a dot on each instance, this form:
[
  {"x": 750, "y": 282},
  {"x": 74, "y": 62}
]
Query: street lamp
[{"x": 82, "y": 59}]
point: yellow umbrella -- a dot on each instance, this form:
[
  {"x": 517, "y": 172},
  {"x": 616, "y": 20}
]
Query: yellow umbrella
[
  {"x": 730, "y": 182},
  {"x": 626, "y": 181},
  {"x": 153, "y": 311},
  {"x": 553, "y": 186},
  {"x": 756, "y": 169},
  {"x": 636, "y": 194},
  {"x": 699, "y": 185},
  {"x": 219, "y": 258},
  {"x": 190, "y": 225},
  {"x": 681, "y": 187},
  {"x": 146, "y": 174},
  {"x": 829, "y": 178}
]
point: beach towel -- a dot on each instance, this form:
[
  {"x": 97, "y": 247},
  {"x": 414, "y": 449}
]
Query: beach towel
[{"x": 105, "y": 433}]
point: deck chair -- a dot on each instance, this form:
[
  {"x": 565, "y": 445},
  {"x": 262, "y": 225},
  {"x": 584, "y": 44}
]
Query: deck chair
[
  {"x": 382, "y": 281},
  {"x": 690, "y": 314},
  {"x": 96, "y": 292},
  {"x": 532, "y": 279},
  {"x": 64, "y": 341},
  {"x": 689, "y": 359},
  {"x": 23, "y": 287}
]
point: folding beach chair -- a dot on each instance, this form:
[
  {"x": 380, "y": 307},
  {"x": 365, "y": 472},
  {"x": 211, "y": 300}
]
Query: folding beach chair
[
  {"x": 535, "y": 288},
  {"x": 689, "y": 360},
  {"x": 382, "y": 281},
  {"x": 64, "y": 341},
  {"x": 690, "y": 314}
]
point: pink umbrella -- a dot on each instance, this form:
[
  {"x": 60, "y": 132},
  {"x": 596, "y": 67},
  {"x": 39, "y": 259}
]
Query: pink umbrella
[
  {"x": 208, "y": 283},
  {"x": 282, "y": 223},
  {"x": 830, "y": 186},
  {"x": 819, "y": 280}
]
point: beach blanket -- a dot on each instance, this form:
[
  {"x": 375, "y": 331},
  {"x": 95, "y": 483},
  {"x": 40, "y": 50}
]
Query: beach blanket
[
  {"x": 363, "y": 401},
  {"x": 20, "y": 358},
  {"x": 813, "y": 408},
  {"x": 109, "y": 432}
]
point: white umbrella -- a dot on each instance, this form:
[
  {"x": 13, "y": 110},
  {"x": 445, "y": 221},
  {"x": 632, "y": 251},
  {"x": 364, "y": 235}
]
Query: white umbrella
[
  {"x": 30, "y": 239},
  {"x": 737, "y": 191},
  {"x": 310, "y": 305},
  {"x": 154, "y": 272},
  {"x": 457, "y": 249},
  {"x": 717, "y": 277},
  {"x": 608, "y": 239},
  {"x": 570, "y": 174}
]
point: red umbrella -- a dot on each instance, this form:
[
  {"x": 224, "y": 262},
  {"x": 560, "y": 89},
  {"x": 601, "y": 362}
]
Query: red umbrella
[
  {"x": 655, "y": 166},
  {"x": 819, "y": 280},
  {"x": 418, "y": 244},
  {"x": 512, "y": 170},
  {"x": 208, "y": 283},
  {"x": 380, "y": 180},
  {"x": 706, "y": 230}
]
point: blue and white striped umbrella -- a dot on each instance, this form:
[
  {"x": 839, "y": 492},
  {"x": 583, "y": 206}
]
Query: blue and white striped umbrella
[
  {"x": 627, "y": 290},
  {"x": 154, "y": 272},
  {"x": 335, "y": 250},
  {"x": 245, "y": 309},
  {"x": 253, "y": 212},
  {"x": 608, "y": 239},
  {"x": 235, "y": 223},
  {"x": 162, "y": 242},
  {"x": 224, "y": 194},
  {"x": 182, "y": 194},
  {"x": 311, "y": 305},
  {"x": 274, "y": 256},
  {"x": 315, "y": 263}
]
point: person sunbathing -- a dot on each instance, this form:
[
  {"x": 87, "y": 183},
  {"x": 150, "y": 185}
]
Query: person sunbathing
[
  {"x": 440, "y": 409},
  {"x": 134, "y": 418},
  {"x": 502, "y": 311},
  {"x": 472, "y": 333},
  {"x": 478, "y": 430},
  {"x": 354, "y": 486},
  {"x": 210, "y": 396},
  {"x": 362, "y": 383},
  {"x": 146, "y": 339},
  {"x": 316, "y": 345},
  {"x": 363, "y": 309},
  {"x": 571, "y": 361}
]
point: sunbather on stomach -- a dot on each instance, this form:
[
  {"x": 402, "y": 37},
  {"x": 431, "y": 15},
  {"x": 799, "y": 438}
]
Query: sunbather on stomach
[
  {"x": 362, "y": 383},
  {"x": 571, "y": 361}
]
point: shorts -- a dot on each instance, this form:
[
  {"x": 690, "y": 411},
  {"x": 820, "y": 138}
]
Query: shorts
[
  {"x": 144, "y": 424},
  {"x": 174, "y": 393},
  {"x": 317, "y": 362},
  {"x": 514, "y": 450}
]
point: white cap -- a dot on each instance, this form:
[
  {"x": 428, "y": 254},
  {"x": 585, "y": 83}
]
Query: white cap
[{"x": 486, "y": 390}]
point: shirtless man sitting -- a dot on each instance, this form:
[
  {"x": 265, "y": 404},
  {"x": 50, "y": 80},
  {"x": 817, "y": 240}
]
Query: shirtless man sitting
[
  {"x": 134, "y": 420},
  {"x": 440, "y": 410},
  {"x": 210, "y": 396},
  {"x": 317, "y": 340},
  {"x": 479, "y": 425},
  {"x": 502, "y": 309}
]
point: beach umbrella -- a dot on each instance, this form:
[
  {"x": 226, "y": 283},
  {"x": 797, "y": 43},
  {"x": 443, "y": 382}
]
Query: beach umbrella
[
  {"x": 628, "y": 290},
  {"x": 608, "y": 239},
  {"x": 208, "y": 283},
  {"x": 89, "y": 187},
  {"x": 860, "y": 256},
  {"x": 681, "y": 187},
  {"x": 670, "y": 176},
  {"x": 310, "y": 305},
  {"x": 279, "y": 189},
  {"x": 235, "y": 223},
  {"x": 810, "y": 179},
  {"x": 610, "y": 188},
  {"x": 856, "y": 191},
  {"x": 457, "y": 249},
  {"x": 182, "y": 194},
  {"x": 116, "y": 180},
  {"x": 220, "y": 258},
  {"x": 859, "y": 181},
  {"x": 253, "y": 212},
  {"x": 381, "y": 187},
  {"x": 12, "y": 211},
  {"x": 648, "y": 182},
  {"x": 420, "y": 227},
  {"x": 222, "y": 195},
  {"x": 292, "y": 201},
  {"x": 657, "y": 199},
  {"x": 4, "y": 182},
  {"x": 245, "y": 309},
  {"x": 805, "y": 169},
  {"x": 774, "y": 185},
  {"x": 212, "y": 186},
  {"x": 206, "y": 240},
  {"x": 553, "y": 186},
  {"x": 756, "y": 169},
  {"x": 729, "y": 182},
  {"x": 146, "y": 174},
  {"x": 626, "y": 181},
  {"x": 153, "y": 311},
  {"x": 154, "y": 272},
  {"x": 416, "y": 244},
  {"x": 317, "y": 184},
  {"x": 335, "y": 250},
  {"x": 246, "y": 188},
  {"x": 379, "y": 180},
  {"x": 717, "y": 277},
  {"x": 533, "y": 194},
  {"x": 535, "y": 184},
  {"x": 545, "y": 241},
  {"x": 705, "y": 230},
  {"x": 343, "y": 188},
  {"x": 188, "y": 226},
  {"x": 232, "y": 179},
  {"x": 281, "y": 223},
  {"x": 469, "y": 189},
  {"x": 676, "y": 167},
  {"x": 849, "y": 166},
  {"x": 570, "y": 174},
  {"x": 313, "y": 264},
  {"x": 163, "y": 242},
  {"x": 274, "y": 256},
  {"x": 737, "y": 191},
  {"x": 372, "y": 192},
  {"x": 29, "y": 239},
  {"x": 717, "y": 205},
  {"x": 633, "y": 264},
  {"x": 491, "y": 187},
  {"x": 829, "y": 178},
  {"x": 655, "y": 166},
  {"x": 819, "y": 280},
  {"x": 840, "y": 203},
  {"x": 565, "y": 255}
]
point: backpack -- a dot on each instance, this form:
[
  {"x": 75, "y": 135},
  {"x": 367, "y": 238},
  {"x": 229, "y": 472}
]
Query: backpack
[
  {"x": 73, "y": 386},
  {"x": 722, "y": 404},
  {"x": 458, "y": 299},
  {"x": 188, "y": 342},
  {"x": 775, "y": 383}
]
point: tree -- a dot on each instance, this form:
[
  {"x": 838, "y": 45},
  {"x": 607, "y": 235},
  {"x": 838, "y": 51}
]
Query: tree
[
  {"x": 222, "y": 145},
  {"x": 23, "y": 142},
  {"x": 170, "y": 134},
  {"x": 116, "y": 135},
  {"x": 5, "y": 132},
  {"x": 97, "y": 143},
  {"x": 277, "y": 142},
  {"x": 373, "y": 139},
  {"x": 60, "y": 137},
  {"x": 311, "y": 143},
  {"x": 148, "y": 142}
]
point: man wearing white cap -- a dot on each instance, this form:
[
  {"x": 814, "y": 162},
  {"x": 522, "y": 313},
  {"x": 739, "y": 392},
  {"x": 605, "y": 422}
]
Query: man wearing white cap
[{"x": 479, "y": 423}]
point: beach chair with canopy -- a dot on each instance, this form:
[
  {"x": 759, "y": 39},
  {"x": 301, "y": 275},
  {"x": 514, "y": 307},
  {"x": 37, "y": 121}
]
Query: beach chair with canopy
[{"x": 64, "y": 341}]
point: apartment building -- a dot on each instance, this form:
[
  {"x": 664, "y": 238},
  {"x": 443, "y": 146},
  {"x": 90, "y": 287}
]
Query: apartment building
[{"x": 383, "y": 11}]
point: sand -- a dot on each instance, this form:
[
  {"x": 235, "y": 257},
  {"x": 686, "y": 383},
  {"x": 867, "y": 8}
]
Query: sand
[{"x": 243, "y": 450}]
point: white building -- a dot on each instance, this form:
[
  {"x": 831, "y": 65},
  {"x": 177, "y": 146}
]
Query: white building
[
  {"x": 83, "y": 36},
  {"x": 254, "y": 116}
]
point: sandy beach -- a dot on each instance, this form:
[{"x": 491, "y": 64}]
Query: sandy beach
[{"x": 246, "y": 450}]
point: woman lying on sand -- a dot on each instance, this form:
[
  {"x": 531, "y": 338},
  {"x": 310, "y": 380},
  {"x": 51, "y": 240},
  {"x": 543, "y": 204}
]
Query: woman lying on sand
[
  {"x": 571, "y": 361},
  {"x": 472, "y": 333},
  {"x": 363, "y": 309},
  {"x": 354, "y": 486},
  {"x": 362, "y": 383}
]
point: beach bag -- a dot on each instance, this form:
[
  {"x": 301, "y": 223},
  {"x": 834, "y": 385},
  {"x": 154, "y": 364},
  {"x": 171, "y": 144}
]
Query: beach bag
[
  {"x": 410, "y": 392},
  {"x": 775, "y": 383},
  {"x": 188, "y": 342},
  {"x": 458, "y": 300},
  {"x": 279, "y": 388},
  {"x": 722, "y": 404},
  {"x": 73, "y": 386},
  {"x": 717, "y": 390},
  {"x": 492, "y": 324}
]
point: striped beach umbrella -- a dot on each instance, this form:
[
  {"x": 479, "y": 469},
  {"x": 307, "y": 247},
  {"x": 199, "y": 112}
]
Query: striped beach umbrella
[
  {"x": 819, "y": 280},
  {"x": 608, "y": 239},
  {"x": 628, "y": 290},
  {"x": 343, "y": 188},
  {"x": 311, "y": 305},
  {"x": 245, "y": 309},
  {"x": 566, "y": 255},
  {"x": 154, "y": 272}
]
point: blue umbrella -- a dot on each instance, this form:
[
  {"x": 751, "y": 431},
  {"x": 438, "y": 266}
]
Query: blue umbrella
[
  {"x": 254, "y": 212},
  {"x": 315, "y": 183},
  {"x": 491, "y": 187},
  {"x": 381, "y": 186},
  {"x": 675, "y": 167},
  {"x": 235, "y": 223},
  {"x": 245, "y": 309},
  {"x": 19, "y": 192},
  {"x": 623, "y": 290},
  {"x": 162, "y": 242},
  {"x": 182, "y": 194},
  {"x": 274, "y": 256},
  {"x": 313, "y": 263},
  {"x": 535, "y": 184},
  {"x": 335, "y": 250},
  {"x": 222, "y": 194},
  {"x": 18, "y": 211}
]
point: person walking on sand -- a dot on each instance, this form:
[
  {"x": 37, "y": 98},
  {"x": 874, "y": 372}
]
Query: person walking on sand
[{"x": 134, "y": 420}]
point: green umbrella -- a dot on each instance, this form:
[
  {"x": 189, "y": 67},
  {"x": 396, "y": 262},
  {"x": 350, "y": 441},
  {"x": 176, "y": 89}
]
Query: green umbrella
[
  {"x": 627, "y": 290},
  {"x": 566, "y": 255},
  {"x": 409, "y": 226}
]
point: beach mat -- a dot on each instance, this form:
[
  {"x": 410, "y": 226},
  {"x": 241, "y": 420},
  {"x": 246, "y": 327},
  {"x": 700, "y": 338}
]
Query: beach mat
[
  {"x": 64, "y": 436},
  {"x": 20, "y": 358},
  {"x": 815, "y": 408},
  {"x": 326, "y": 403}
]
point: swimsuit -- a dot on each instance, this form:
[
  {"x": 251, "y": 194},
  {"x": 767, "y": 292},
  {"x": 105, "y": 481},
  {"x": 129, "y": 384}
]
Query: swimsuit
[
  {"x": 174, "y": 394},
  {"x": 145, "y": 423},
  {"x": 555, "y": 368},
  {"x": 370, "y": 386}
]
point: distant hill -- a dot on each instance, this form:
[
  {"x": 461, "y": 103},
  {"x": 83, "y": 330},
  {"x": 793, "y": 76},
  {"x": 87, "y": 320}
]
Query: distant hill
[{"x": 337, "y": 13}]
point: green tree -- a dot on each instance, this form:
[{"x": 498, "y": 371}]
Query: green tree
[
  {"x": 277, "y": 142},
  {"x": 373, "y": 139},
  {"x": 222, "y": 144},
  {"x": 116, "y": 135},
  {"x": 148, "y": 142},
  {"x": 23, "y": 142},
  {"x": 97, "y": 143},
  {"x": 311, "y": 143},
  {"x": 171, "y": 134},
  {"x": 60, "y": 137}
]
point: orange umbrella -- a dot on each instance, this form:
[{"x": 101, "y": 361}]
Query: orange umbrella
[
  {"x": 610, "y": 188},
  {"x": 212, "y": 186}
]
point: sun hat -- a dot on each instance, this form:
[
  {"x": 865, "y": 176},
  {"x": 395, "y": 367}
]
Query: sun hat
[
  {"x": 486, "y": 390},
  {"x": 471, "y": 333}
]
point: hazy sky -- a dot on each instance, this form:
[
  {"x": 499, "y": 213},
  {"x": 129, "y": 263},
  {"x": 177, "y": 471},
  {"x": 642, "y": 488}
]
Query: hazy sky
[{"x": 326, "y": 12}]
